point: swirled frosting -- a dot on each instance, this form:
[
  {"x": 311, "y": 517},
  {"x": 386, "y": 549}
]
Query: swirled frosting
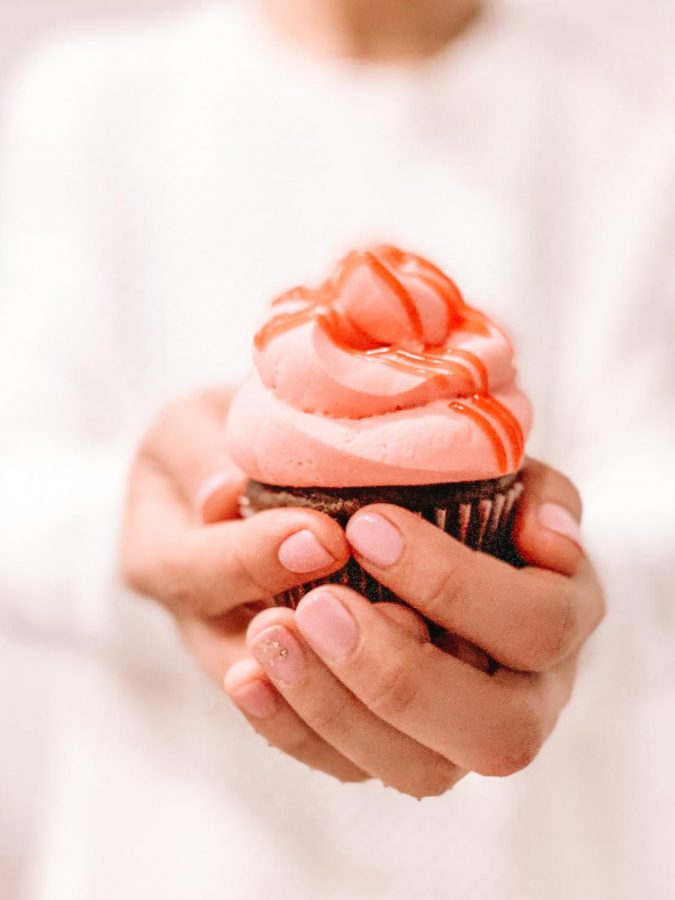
[{"x": 382, "y": 375}]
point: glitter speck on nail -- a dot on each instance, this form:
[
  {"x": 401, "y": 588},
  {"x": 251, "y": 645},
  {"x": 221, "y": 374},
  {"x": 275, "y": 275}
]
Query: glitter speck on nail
[{"x": 275, "y": 651}]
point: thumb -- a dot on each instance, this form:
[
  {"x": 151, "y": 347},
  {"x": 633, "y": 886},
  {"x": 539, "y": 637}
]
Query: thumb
[
  {"x": 415, "y": 625},
  {"x": 547, "y": 528},
  {"x": 188, "y": 443},
  {"x": 406, "y": 617}
]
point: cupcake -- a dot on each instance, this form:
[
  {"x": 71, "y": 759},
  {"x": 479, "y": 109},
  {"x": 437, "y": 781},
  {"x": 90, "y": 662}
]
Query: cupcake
[{"x": 382, "y": 385}]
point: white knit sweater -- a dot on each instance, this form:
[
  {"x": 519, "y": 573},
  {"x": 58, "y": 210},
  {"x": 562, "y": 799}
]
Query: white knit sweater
[{"x": 159, "y": 186}]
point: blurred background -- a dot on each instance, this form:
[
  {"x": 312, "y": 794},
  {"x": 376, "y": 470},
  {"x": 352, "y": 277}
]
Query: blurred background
[
  {"x": 638, "y": 35},
  {"x": 24, "y": 23},
  {"x": 643, "y": 29}
]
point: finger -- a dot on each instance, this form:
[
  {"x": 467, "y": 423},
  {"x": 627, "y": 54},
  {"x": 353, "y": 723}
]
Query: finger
[
  {"x": 494, "y": 725},
  {"x": 405, "y": 618},
  {"x": 216, "y": 643},
  {"x": 218, "y": 497},
  {"x": 526, "y": 619},
  {"x": 546, "y": 531},
  {"x": 450, "y": 643},
  {"x": 251, "y": 691},
  {"x": 187, "y": 445},
  {"x": 331, "y": 711},
  {"x": 210, "y": 570},
  {"x": 464, "y": 650}
]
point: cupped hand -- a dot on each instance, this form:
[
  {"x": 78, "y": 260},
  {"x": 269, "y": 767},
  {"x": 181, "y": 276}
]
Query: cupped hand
[
  {"x": 184, "y": 544},
  {"x": 366, "y": 681},
  {"x": 387, "y": 702}
]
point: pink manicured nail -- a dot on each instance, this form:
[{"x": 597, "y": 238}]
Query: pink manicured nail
[
  {"x": 279, "y": 653},
  {"x": 375, "y": 538},
  {"x": 301, "y": 552},
  {"x": 556, "y": 518},
  {"x": 327, "y": 625},
  {"x": 249, "y": 691},
  {"x": 256, "y": 698},
  {"x": 213, "y": 485}
]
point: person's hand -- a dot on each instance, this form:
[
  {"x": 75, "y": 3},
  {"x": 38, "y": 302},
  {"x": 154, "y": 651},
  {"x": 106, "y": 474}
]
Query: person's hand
[
  {"x": 338, "y": 675},
  {"x": 184, "y": 544}
]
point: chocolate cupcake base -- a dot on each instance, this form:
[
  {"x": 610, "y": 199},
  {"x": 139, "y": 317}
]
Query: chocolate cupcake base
[{"x": 478, "y": 513}]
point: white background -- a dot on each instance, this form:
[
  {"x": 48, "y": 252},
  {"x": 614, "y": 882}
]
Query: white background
[{"x": 645, "y": 29}]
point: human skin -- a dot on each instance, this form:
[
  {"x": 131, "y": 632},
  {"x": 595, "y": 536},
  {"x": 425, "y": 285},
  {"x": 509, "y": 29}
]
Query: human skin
[
  {"x": 378, "y": 30},
  {"x": 364, "y": 693}
]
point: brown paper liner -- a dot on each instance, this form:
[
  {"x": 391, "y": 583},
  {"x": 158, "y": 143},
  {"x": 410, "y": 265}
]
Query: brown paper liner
[{"x": 481, "y": 517}]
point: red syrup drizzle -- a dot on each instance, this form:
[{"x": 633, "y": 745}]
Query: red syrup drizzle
[
  {"x": 488, "y": 430},
  {"x": 382, "y": 272},
  {"x": 440, "y": 363}
]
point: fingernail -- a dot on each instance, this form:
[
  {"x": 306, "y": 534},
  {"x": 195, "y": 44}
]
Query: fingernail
[
  {"x": 327, "y": 625},
  {"x": 257, "y": 699},
  {"x": 244, "y": 685},
  {"x": 301, "y": 552},
  {"x": 279, "y": 654},
  {"x": 375, "y": 538},
  {"x": 559, "y": 519},
  {"x": 212, "y": 486}
]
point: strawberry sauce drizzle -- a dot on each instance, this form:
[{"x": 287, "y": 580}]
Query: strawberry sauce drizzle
[
  {"x": 438, "y": 364},
  {"x": 283, "y": 322},
  {"x": 506, "y": 419},
  {"x": 392, "y": 282},
  {"x": 488, "y": 429}
]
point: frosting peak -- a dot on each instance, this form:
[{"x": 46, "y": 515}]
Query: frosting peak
[
  {"x": 383, "y": 375},
  {"x": 390, "y": 305}
]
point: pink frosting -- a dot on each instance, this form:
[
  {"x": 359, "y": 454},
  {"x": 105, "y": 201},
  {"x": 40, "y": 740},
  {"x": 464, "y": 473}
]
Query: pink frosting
[{"x": 383, "y": 375}]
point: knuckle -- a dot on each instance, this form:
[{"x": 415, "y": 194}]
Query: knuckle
[
  {"x": 517, "y": 740},
  {"x": 327, "y": 719},
  {"x": 566, "y": 627},
  {"x": 178, "y": 590},
  {"x": 162, "y": 579},
  {"x": 393, "y": 693},
  {"x": 443, "y": 592},
  {"x": 554, "y": 642},
  {"x": 250, "y": 571},
  {"x": 300, "y": 745},
  {"x": 438, "y": 778},
  {"x": 138, "y": 569}
]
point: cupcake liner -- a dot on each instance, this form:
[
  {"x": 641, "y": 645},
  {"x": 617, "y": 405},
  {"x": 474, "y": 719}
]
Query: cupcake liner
[{"x": 480, "y": 515}]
